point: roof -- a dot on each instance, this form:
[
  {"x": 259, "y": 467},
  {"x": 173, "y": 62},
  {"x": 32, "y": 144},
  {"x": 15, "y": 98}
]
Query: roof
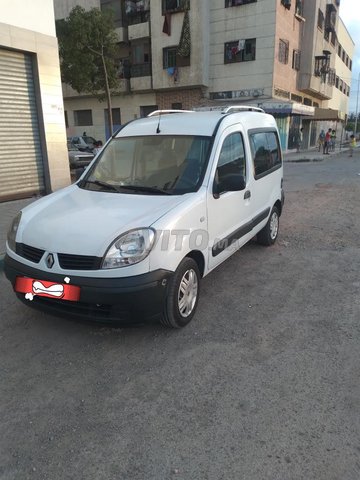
[{"x": 198, "y": 123}]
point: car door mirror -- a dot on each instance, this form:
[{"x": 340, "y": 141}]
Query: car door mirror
[{"x": 233, "y": 182}]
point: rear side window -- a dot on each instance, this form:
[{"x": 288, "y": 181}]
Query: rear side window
[{"x": 266, "y": 154}]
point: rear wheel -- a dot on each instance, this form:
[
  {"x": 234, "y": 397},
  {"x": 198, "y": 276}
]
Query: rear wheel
[
  {"x": 268, "y": 235},
  {"x": 183, "y": 295}
]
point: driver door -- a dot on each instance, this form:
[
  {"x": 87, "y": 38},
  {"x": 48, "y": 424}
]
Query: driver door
[{"x": 229, "y": 212}]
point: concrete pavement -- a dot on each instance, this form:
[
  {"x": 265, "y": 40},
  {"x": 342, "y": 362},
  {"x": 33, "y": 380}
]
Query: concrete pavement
[{"x": 8, "y": 210}]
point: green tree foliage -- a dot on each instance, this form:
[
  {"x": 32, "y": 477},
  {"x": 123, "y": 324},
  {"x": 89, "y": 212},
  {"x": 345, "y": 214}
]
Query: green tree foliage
[{"x": 88, "y": 52}]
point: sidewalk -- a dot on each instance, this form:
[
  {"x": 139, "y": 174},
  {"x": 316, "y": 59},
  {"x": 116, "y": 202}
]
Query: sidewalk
[{"x": 313, "y": 154}]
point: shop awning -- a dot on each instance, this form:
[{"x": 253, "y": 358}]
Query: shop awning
[
  {"x": 329, "y": 114},
  {"x": 287, "y": 108}
]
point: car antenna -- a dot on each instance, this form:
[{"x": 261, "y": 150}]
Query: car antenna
[{"x": 158, "y": 126}]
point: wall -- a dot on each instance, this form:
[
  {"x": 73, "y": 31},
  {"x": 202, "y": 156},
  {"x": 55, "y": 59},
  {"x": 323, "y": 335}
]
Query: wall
[
  {"x": 340, "y": 101},
  {"x": 37, "y": 15},
  {"x": 254, "y": 20},
  {"x": 40, "y": 17}
]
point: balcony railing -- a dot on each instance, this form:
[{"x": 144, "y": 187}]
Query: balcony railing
[{"x": 140, "y": 70}]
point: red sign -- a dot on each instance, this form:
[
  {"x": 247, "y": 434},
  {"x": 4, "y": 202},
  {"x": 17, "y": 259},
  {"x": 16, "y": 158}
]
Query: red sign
[{"x": 43, "y": 288}]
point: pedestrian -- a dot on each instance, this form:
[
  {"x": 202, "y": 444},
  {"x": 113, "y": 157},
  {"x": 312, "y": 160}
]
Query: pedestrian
[
  {"x": 333, "y": 139},
  {"x": 97, "y": 147},
  {"x": 84, "y": 134},
  {"x": 298, "y": 139},
  {"x": 327, "y": 142},
  {"x": 352, "y": 144},
  {"x": 321, "y": 140}
]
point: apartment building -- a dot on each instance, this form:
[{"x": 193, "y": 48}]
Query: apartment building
[
  {"x": 33, "y": 154},
  {"x": 277, "y": 54}
]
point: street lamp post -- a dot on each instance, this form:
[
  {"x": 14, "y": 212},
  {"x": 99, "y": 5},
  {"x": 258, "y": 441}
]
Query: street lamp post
[{"x": 357, "y": 105}]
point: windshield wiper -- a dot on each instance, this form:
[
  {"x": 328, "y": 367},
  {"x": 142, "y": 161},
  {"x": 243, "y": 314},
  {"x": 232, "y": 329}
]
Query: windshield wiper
[
  {"x": 106, "y": 185},
  {"x": 142, "y": 188}
]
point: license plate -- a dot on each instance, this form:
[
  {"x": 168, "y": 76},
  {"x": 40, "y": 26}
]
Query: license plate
[{"x": 42, "y": 288}]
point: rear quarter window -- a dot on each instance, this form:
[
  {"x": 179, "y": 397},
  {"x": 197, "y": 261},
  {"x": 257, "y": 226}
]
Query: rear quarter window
[{"x": 266, "y": 153}]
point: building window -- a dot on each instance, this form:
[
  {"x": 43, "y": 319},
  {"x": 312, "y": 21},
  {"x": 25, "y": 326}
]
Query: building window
[
  {"x": 173, "y": 6},
  {"x": 350, "y": 65},
  {"x": 339, "y": 50},
  {"x": 66, "y": 119},
  {"x": 283, "y": 51},
  {"x": 171, "y": 59},
  {"x": 296, "y": 59},
  {"x": 176, "y": 106},
  {"x": 316, "y": 104},
  {"x": 337, "y": 82},
  {"x": 286, "y": 3},
  {"x": 146, "y": 109},
  {"x": 322, "y": 65},
  {"x": 321, "y": 20},
  {"x": 116, "y": 116},
  {"x": 331, "y": 77},
  {"x": 83, "y": 118},
  {"x": 235, "y": 3},
  {"x": 240, "y": 51},
  {"x": 307, "y": 101},
  {"x": 299, "y": 8},
  {"x": 296, "y": 98}
]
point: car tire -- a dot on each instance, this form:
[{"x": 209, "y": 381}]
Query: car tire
[
  {"x": 182, "y": 295},
  {"x": 268, "y": 235}
]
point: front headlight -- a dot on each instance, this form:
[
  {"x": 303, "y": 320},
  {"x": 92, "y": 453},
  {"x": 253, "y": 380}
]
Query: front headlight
[
  {"x": 11, "y": 236},
  {"x": 129, "y": 248}
]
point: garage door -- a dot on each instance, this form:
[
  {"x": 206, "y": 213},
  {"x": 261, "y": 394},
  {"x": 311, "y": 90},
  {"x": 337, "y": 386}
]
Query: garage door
[{"x": 21, "y": 163}]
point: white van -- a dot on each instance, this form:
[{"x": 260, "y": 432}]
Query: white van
[{"x": 169, "y": 198}]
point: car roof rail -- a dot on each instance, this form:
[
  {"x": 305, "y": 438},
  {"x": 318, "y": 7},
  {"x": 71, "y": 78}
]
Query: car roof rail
[
  {"x": 165, "y": 112},
  {"x": 242, "y": 108}
]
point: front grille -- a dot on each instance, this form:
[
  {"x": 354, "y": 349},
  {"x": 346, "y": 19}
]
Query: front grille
[
  {"x": 30, "y": 253},
  {"x": 78, "y": 262},
  {"x": 82, "y": 310}
]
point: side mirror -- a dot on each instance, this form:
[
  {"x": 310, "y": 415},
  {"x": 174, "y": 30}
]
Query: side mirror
[{"x": 233, "y": 182}]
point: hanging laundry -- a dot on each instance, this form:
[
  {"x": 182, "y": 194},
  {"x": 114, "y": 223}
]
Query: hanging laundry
[
  {"x": 130, "y": 7},
  {"x": 170, "y": 71},
  {"x": 140, "y": 5},
  {"x": 241, "y": 45},
  {"x": 167, "y": 24},
  {"x": 184, "y": 48}
]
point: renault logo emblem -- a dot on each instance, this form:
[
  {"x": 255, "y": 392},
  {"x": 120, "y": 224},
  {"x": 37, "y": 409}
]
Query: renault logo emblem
[{"x": 50, "y": 260}]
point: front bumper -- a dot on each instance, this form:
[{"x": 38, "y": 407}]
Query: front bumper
[{"x": 130, "y": 299}]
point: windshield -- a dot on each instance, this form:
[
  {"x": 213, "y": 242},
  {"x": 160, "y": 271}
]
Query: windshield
[{"x": 150, "y": 164}]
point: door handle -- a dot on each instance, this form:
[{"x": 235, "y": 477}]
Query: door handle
[{"x": 247, "y": 194}]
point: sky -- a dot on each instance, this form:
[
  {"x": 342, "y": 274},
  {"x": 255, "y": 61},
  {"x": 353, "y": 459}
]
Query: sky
[{"x": 350, "y": 15}]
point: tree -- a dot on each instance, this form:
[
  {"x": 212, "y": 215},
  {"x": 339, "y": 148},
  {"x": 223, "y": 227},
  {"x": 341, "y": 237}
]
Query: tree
[{"x": 88, "y": 47}]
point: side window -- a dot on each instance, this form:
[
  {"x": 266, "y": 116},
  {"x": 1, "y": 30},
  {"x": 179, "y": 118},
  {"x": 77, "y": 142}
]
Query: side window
[
  {"x": 231, "y": 158},
  {"x": 265, "y": 151}
]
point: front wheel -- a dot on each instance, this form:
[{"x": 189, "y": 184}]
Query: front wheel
[
  {"x": 268, "y": 235},
  {"x": 183, "y": 295}
]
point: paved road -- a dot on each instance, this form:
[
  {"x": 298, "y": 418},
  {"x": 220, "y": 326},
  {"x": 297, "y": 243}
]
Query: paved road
[{"x": 263, "y": 384}]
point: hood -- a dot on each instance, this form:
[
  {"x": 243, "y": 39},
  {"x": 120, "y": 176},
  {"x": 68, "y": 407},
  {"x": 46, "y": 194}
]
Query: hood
[{"x": 84, "y": 222}]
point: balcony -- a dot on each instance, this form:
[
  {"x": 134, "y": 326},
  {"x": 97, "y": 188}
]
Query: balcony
[
  {"x": 315, "y": 86},
  {"x": 122, "y": 34},
  {"x": 141, "y": 79},
  {"x": 138, "y": 30}
]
